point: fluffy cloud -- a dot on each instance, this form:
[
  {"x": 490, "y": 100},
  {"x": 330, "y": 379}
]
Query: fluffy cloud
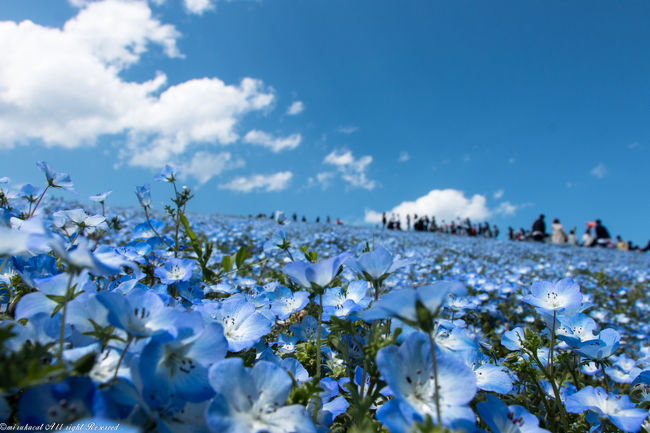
[
  {"x": 445, "y": 204},
  {"x": 403, "y": 157},
  {"x": 296, "y": 108},
  {"x": 198, "y": 6},
  {"x": 64, "y": 87},
  {"x": 352, "y": 170},
  {"x": 204, "y": 165},
  {"x": 276, "y": 144},
  {"x": 260, "y": 182},
  {"x": 599, "y": 171},
  {"x": 498, "y": 194}
]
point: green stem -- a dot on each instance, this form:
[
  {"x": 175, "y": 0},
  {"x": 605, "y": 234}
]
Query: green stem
[
  {"x": 556, "y": 391},
  {"x": 126, "y": 348},
  {"x": 146, "y": 214},
  {"x": 33, "y": 211},
  {"x": 434, "y": 361},
  {"x": 62, "y": 322},
  {"x": 4, "y": 262},
  {"x": 318, "y": 362},
  {"x": 605, "y": 381}
]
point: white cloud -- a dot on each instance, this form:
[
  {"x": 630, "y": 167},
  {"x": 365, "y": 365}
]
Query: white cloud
[
  {"x": 445, "y": 204},
  {"x": 350, "y": 129},
  {"x": 506, "y": 208},
  {"x": 296, "y": 108},
  {"x": 65, "y": 87},
  {"x": 198, "y": 7},
  {"x": 323, "y": 179},
  {"x": 498, "y": 194},
  {"x": 276, "y": 144},
  {"x": 260, "y": 182},
  {"x": 599, "y": 171},
  {"x": 352, "y": 170},
  {"x": 204, "y": 165},
  {"x": 403, "y": 157}
]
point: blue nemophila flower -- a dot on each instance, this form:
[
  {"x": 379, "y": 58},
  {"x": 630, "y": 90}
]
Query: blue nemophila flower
[
  {"x": 561, "y": 296},
  {"x": 575, "y": 329},
  {"x": 178, "y": 366},
  {"x": 104, "y": 261},
  {"x": 175, "y": 270},
  {"x": 253, "y": 400},
  {"x": 140, "y": 313},
  {"x": 63, "y": 402},
  {"x": 415, "y": 307},
  {"x": 101, "y": 197},
  {"x": 242, "y": 325},
  {"x": 144, "y": 195},
  {"x": 167, "y": 174},
  {"x": 619, "y": 409},
  {"x": 28, "y": 237},
  {"x": 513, "y": 339},
  {"x": 315, "y": 276},
  {"x": 291, "y": 365},
  {"x": 54, "y": 179},
  {"x": 623, "y": 370},
  {"x": 507, "y": 419},
  {"x": 601, "y": 347},
  {"x": 307, "y": 329},
  {"x": 375, "y": 266},
  {"x": 77, "y": 220},
  {"x": 285, "y": 302},
  {"x": 340, "y": 303},
  {"x": 408, "y": 372}
]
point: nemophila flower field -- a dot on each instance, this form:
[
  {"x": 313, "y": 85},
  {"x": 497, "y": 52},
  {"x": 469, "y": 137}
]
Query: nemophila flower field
[{"x": 149, "y": 319}]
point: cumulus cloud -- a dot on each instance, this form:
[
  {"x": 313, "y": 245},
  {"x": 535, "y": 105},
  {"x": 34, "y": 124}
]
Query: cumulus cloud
[
  {"x": 445, "y": 204},
  {"x": 403, "y": 157},
  {"x": 599, "y": 171},
  {"x": 296, "y": 108},
  {"x": 498, "y": 194},
  {"x": 198, "y": 7},
  {"x": 352, "y": 170},
  {"x": 259, "y": 182},
  {"x": 65, "y": 87},
  {"x": 276, "y": 144},
  {"x": 204, "y": 165}
]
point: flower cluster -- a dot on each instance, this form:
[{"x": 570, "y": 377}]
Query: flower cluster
[{"x": 155, "y": 321}]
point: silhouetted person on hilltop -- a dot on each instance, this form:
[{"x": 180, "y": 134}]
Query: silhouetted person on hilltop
[
  {"x": 538, "y": 231},
  {"x": 383, "y": 219},
  {"x": 602, "y": 235}
]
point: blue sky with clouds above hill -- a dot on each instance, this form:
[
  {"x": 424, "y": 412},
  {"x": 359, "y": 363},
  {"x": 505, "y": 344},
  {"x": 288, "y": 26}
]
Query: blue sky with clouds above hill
[{"x": 495, "y": 111}]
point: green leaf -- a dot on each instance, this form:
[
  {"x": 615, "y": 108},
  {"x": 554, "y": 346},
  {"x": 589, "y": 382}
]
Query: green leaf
[
  {"x": 226, "y": 263},
  {"x": 188, "y": 229},
  {"x": 241, "y": 256}
]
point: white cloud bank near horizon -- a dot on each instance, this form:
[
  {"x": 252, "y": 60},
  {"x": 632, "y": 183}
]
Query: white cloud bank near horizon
[
  {"x": 64, "y": 87},
  {"x": 445, "y": 204}
]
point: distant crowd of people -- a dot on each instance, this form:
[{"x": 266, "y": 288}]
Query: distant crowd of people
[
  {"x": 423, "y": 223},
  {"x": 278, "y": 215},
  {"x": 599, "y": 238}
]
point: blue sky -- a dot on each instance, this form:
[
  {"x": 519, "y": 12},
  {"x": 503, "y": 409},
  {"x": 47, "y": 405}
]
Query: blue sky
[{"x": 493, "y": 110}]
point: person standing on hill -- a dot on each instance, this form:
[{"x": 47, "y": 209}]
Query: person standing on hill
[
  {"x": 602, "y": 235},
  {"x": 557, "y": 235},
  {"x": 538, "y": 231}
]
